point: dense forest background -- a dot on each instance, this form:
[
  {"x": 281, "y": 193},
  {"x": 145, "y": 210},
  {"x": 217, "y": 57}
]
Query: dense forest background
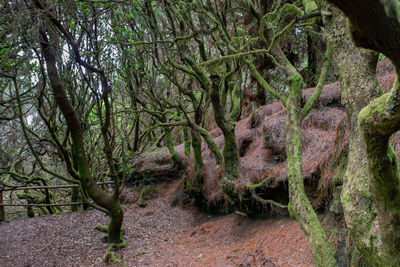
[{"x": 227, "y": 96}]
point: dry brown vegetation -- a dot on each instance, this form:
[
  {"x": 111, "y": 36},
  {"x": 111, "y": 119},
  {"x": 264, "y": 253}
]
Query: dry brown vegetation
[{"x": 261, "y": 145}]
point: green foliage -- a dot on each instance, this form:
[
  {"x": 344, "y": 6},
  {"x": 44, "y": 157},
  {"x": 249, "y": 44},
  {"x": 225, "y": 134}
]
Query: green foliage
[{"x": 382, "y": 57}]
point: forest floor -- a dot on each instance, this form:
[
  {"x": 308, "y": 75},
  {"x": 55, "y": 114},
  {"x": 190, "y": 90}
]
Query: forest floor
[{"x": 157, "y": 235}]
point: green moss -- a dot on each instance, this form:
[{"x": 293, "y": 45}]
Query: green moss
[
  {"x": 230, "y": 153},
  {"x": 101, "y": 228},
  {"x": 229, "y": 190},
  {"x": 309, "y": 6},
  {"x": 195, "y": 187},
  {"x": 263, "y": 83},
  {"x": 299, "y": 206},
  {"x": 236, "y": 107},
  {"x": 210, "y": 143},
  {"x": 340, "y": 171},
  {"x": 231, "y": 157},
  {"x": 74, "y": 198},
  {"x": 174, "y": 155},
  {"x": 254, "y": 186},
  {"x": 378, "y": 121}
]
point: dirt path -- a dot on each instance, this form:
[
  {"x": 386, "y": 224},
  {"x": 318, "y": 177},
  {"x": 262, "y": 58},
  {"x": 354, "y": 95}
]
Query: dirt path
[{"x": 158, "y": 235}]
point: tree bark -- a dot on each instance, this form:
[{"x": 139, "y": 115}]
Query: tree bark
[
  {"x": 359, "y": 85},
  {"x": 230, "y": 152},
  {"x": 376, "y": 25},
  {"x": 299, "y": 206}
]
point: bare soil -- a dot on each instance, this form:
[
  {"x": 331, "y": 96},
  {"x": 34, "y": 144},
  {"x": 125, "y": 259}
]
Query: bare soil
[{"x": 157, "y": 235}]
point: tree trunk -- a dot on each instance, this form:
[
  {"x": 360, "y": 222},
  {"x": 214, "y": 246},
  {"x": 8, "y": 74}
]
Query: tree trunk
[
  {"x": 177, "y": 161},
  {"x": 230, "y": 152},
  {"x": 359, "y": 85},
  {"x": 299, "y": 206},
  {"x": 195, "y": 187},
  {"x": 109, "y": 203},
  {"x": 378, "y": 121},
  {"x": 74, "y": 198},
  {"x": 371, "y": 182},
  {"x": 115, "y": 223}
]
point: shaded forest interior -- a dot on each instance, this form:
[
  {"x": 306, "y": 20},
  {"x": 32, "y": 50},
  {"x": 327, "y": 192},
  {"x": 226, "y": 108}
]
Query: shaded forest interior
[{"x": 247, "y": 108}]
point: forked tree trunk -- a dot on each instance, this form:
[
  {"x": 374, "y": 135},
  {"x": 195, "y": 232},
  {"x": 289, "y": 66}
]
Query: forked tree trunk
[{"x": 230, "y": 151}]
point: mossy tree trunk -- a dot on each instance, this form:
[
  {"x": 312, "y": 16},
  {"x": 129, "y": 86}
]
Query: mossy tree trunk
[
  {"x": 230, "y": 152},
  {"x": 108, "y": 203},
  {"x": 176, "y": 159},
  {"x": 195, "y": 187},
  {"x": 74, "y": 198},
  {"x": 376, "y": 25},
  {"x": 359, "y": 84},
  {"x": 299, "y": 206}
]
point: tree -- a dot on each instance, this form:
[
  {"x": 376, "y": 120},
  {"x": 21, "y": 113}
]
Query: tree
[
  {"x": 370, "y": 23},
  {"x": 69, "y": 136},
  {"x": 132, "y": 76}
]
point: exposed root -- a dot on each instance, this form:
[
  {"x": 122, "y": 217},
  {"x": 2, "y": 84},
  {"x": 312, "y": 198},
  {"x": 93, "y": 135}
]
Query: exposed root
[
  {"x": 254, "y": 186},
  {"x": 101, "y": 228},
  {"x": 110, "y": 254},
  {"x": 267, "y": 201},
  {"x": 251, "y": 188}
]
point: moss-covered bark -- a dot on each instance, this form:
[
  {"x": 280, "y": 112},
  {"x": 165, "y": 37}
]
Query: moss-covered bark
[
  {"x": 194, "y": 186},
  {"x": 371, "y": 182},
  {"x": 115, "y": 223},
  {"x": 186, "y": 141},
  {"x": 299, "y": 206},
  {"x": 107, "y": 203},
  {"x": 359, "y": 86},
  {"x": 74, "y": 198},
  {"x": 378, "y": 121},
  {"x": 170, "y": 144},
  {"x": 230, "y": 152},
  {"x": 196, "y": 145}
]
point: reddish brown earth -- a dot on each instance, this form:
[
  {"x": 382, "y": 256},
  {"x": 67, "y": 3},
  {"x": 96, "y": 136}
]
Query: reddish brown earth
[{"x": 157, "y": 235}]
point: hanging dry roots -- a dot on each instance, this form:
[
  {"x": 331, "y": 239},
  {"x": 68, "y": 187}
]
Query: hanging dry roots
[{"x": 110, "y": 254}]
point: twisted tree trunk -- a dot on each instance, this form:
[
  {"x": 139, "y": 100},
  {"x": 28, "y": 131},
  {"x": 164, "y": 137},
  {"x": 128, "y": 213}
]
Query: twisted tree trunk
[
  {"x": 359, "y": 85},
  {"x": 230, "y": 151},
  {"x": 109, "y": 203},
  {"x": 374, "y": 25}
]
